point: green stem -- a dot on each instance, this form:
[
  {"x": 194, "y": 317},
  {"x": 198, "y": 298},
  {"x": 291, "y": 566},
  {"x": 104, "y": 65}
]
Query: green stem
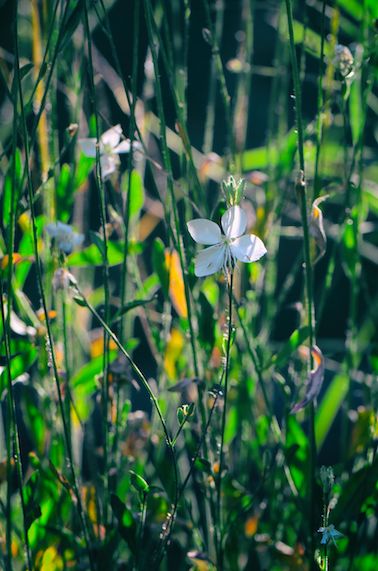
[
  {"x": 13, "y": 441},
  {"x": 319, "y": 120},
  {"x": 225, "y": 96},
  {"x": 302, "y": 196},
  {"x": 177, "y": 237},
  {"x": 220, "y": 552},
  {"x": 142, "y": 381},
  {"x": 102, "y": 200},
  {"x": 38, "y": 266}
]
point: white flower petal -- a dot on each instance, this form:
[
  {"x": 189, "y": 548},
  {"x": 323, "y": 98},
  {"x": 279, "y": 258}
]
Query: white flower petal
[
  {"x": 123, "y": 147},
  {"x": 210, "y": 260},
  {"x": 88, "y": 147},
  {"x": 234, "y": 222},
  {"x": 112, "y": 137},
  {"x": 108, "y": 165},
  {"x": 204, "y": 231},
  {"x": 248, "y": 248}
]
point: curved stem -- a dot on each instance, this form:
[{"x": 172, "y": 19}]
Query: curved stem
[{"x": 141, "y": 378}]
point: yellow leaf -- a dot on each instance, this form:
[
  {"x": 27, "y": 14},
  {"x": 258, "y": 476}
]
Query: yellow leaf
[
  {"x": 97, "y": 346},
  {"x": 173, "y": 351},
  {"x": 176, "y": 282},
  {"x": 51, "y": 560},
  {"x": 250, "y": 527},
  {"x": 17, "y": 258}
]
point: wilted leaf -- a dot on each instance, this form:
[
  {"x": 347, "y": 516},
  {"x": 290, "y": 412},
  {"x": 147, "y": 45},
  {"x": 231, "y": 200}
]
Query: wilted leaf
[
  {"x": 315, "y": 381},
  {"x": 317, "y": 230}
]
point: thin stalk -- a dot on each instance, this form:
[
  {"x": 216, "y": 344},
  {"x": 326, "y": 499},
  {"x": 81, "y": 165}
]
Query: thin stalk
[
  {"x": 319, "y": 118},
  {"x": 13, "y": 441},
  {"x": 105, "y": 263},
  {"x": 220, "y": 552},
  {"x": 302, "y": 196},
  {"x": 51, "y": 69},
  {"x": 128, "y": 198},
  {"x": 10, "y": 249},
  {"x": 176, "y": 235},
  {"x": 225, "y": 96},
  {"x": 126, "y": 217},
  {"x": 178, "y": 104},
  {"x": 67, "y": 393},
  {"x": 43, "y": 299},
  {"x": 170, "y": 184},
  {"x": 209, "y": 130},
  {"x": 142, "y": 381}
]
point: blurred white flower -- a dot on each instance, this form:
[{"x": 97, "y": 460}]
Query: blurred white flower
[
  {"x": 329, "y": 533},
  {"x": 343, "y": 61},
  {"x": 110, "y": 147},
  {"x": 65, "y": 237},
  {"x": 225, "y": 248},
  {"x": 62, "y": 279}
]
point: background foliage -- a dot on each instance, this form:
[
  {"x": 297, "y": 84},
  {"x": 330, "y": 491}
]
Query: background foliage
[{"x": 112, "y": 387}]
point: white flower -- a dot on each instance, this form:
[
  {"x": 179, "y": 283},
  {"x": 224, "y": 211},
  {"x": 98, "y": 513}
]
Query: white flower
[
  {"x": 225, "y": 248},
  {"x": 329, "y": 532},
  {"x": 110, "y": 147},
  {"x": 65, "y": 238}
]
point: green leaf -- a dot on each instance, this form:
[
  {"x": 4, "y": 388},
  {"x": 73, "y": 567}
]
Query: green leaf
[
  {"x": 91, "y": 256},
  {"x": 98, "y": 241},
  {"x": 132, "y": 305},
  {"x": 8, "y": 191},
  {"x": 203, "y": 465},
  {"x": 139, "y": 483},
  {"x": 24, "y": 70},
  {"x": 329, "y": 407},
  {"x": 355, "y": 492},
  {"x": 297, "y": 454},
  {"x": 64, "y": 192},
  {"x": 126, "y": 524},
  {"x": 295, "y": 340},
  {"x": 71, "y": 24},
  {"x": 350, "y": 244},
  {"x": 158, "y": 263},
  {"x": 206, "y": 322},
  {"x": 135, "y": 195},
  {"x": 356, "y": 111}
]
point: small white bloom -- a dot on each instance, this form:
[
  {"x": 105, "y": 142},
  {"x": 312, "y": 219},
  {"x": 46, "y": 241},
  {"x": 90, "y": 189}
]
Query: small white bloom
[
  {"x": 65, "y": 238},
  {"x": 329, "y": 533},
  {"x": 225, "y": 248},
  {"x": 110, "y": 147}
]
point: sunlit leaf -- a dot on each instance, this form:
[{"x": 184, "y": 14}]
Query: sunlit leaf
[{"x": 176, "y": 282}]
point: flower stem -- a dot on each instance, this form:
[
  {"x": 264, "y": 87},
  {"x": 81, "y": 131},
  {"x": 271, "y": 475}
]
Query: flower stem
[
  {"x": 142, "y": 381},
  {"x": 220, "y": 553},
  {"x": 302, "y": 198}
]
